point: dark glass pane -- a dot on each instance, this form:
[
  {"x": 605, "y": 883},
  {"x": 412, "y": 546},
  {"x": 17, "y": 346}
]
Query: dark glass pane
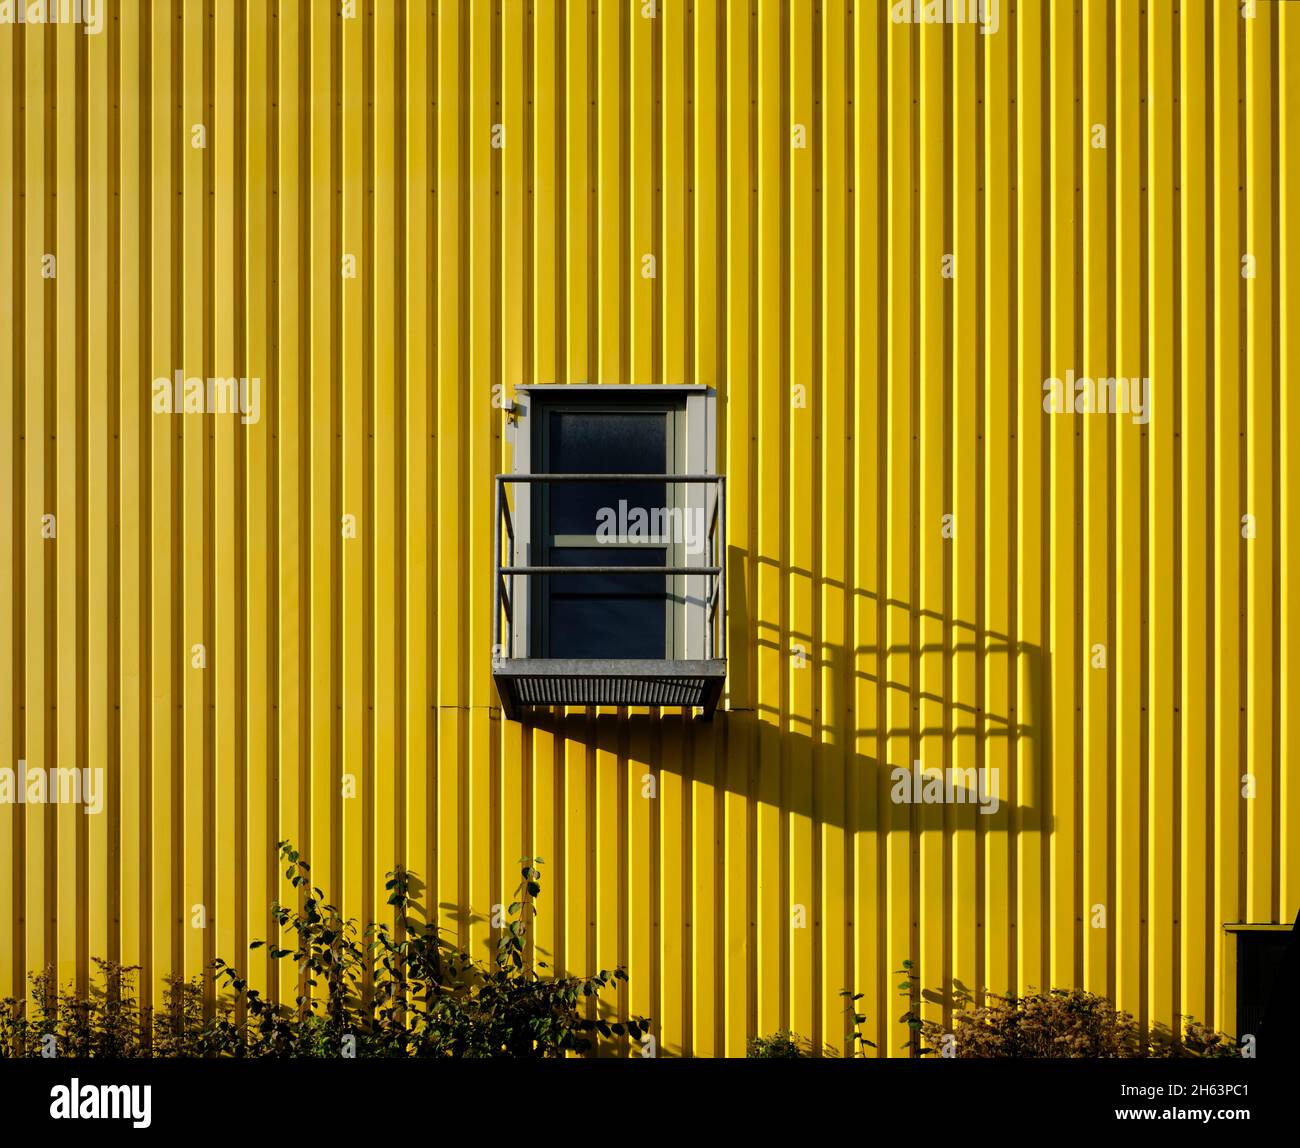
[
  {"x": 607, "y": 615},
  {"x": 605, "y": 442}
]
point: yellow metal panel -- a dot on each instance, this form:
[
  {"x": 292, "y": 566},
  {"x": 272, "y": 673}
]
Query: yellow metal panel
[
  {"x": 1033, "y": 828},
  {"x": 132, "y": 749},
  {"x": 899, "y": 500},
  {"x": 291, "y": 737},
  {"x": 776, "y": 915},
  {"x": 325, "y": 517},
  {"x": 224, "y": 646},
  {"x": 360, "y": 542},
  {"x": 835, "y": 535},
  {"x": 935, "y": 527},
  {"x": 1261, "y": 385},
  {"x": 737, "y": 454},
  {"x": 37, "y": 292},
  {"x": 995, "y": 582},
  {"x": 672, "y": 907},
  {"x": 1094, "y": 507},
  {"x": 1229, "y": 295},
  {"x": 256, "y": 883},
  {"x": 385, "y": 237},
  {"x": 70, "y": 571},
  {"x": 481, "y": 431},
  {"x": 194, "y": 478},
  {"x": 1127, "y": 657},
  {"x": 1162, "y": 661},
  {"x": 452, "y": 452},
  {"x": 755, "y": 196},
  {"x": 1288, "y": 263},
  {"x": 609, "y": 96},
  {"x": 642, "y": 864},
  {"x": 866, "y": 516},
  {"x": 864, "y": 735},
  {"x": 416, "y": 851},
  {"x": 1067, "y": 916},
  {"x": 168, "y": 652},
  {"x": 802, "y": 346},
  {"x": 12, "y": 541},
  {"x": 961, "y": 590},
  {"x": 1197, "y": 939}
]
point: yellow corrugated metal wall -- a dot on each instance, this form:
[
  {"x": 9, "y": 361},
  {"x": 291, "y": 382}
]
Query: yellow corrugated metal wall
[{"x": 281, "y": 190}]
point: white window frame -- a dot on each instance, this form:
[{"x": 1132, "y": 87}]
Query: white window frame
[{"x": 697, "y": 454}]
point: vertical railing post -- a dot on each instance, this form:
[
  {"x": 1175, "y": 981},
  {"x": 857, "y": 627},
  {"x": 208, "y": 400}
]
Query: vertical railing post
[
  {"x": 496, "y": 571},
  {"x": 711, "y": 583},
  {"x": 721, "y": 563}
]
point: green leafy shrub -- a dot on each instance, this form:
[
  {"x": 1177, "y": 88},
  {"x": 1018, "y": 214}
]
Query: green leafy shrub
[
  {"x": 392, "y": 990},
  {"x": 1066, "y": 1023},
  {"x": 781, "y": 1045},
  {"x": 107, "y": 1022},
  {"x": 1060, "y": 1023},
  {"x": 857, "y": 1038},
  {"x": 785, "y": 1044},
  {"x": 1195, "y": 1041},
  {"x": 909, "y": 988}
]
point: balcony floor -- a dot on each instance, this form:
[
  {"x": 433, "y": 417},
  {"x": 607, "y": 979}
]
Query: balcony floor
[{"x": 608, "y": 682}]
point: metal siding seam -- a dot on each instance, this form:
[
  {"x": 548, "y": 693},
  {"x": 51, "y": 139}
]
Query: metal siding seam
[
  {"x": 737, "y": 382},
  {"x": 65, "y": 627},
  {"x": 799, "y": 510},
  {"x": 228, "y": 589},
  {"x": 11, "y": 959},
  {"x": 1261, "y": 322},
  {"x": 836, "y": 429},
  {"x": 773, "y": 914},
  {"x": 899, "y": 663},
  {"x": 997, "y": 469},
  {"x": 1162, "y": 364},
  {"x": 1128, "y": 657},
  {"x": 964, "y": 621},
  {"x": 1093, "y": 293},
  {"x": 163, "y": 893},
  {"x": 1065, "y": 927},
  {"x": 930, "y": 717},
  {"x": 42, "y": 909},
  {"x": 1288, "y": 152},
  {"x": 1227, "y": 493},
  {"x": 258, "y": 885},
  {"x": 189, "y": 563},
  {"x": 1198, "y": 932},
  {"x": 864, "y": 655},
  {"x": 1030, "y": 424},
  {"x": 291, "y": 318}
]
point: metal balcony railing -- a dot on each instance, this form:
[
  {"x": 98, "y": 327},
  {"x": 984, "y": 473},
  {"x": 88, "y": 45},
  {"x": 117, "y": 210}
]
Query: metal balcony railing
[{"x": 531, "y": 680}]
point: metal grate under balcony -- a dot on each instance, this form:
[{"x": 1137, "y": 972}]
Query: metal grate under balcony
[{"x": 523, "y": 680}]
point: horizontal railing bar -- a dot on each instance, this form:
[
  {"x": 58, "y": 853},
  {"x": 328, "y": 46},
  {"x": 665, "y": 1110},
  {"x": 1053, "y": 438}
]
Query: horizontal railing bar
[
  {"x": 611, "y": 570},
  {"x": 609, "y": 478}
]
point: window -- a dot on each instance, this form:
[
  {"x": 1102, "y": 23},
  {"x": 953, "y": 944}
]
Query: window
[
  {"x": 609, "y": 524},
  {"x": 616, "y": 629}
]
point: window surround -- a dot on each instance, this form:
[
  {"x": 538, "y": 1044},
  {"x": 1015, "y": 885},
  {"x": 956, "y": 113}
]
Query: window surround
[{"x": 694, "y": 452}]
